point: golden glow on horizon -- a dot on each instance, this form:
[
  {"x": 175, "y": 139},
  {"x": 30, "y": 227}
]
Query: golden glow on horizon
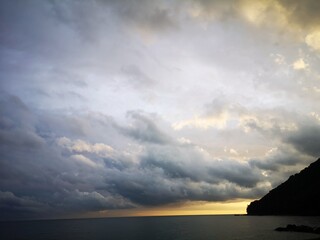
[{"x": 192, "y": 208}]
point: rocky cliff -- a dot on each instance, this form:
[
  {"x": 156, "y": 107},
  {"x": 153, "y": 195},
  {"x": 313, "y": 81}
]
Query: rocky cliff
[{"x": 299, "y": 195}]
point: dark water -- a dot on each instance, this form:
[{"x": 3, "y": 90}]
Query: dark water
[{"x": 153, "y": 228}]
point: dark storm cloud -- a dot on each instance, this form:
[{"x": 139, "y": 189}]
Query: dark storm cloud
[
  {"x": 189, "y": 163},
  {"x": 234, "y": 172},
  {"x": 304, "y": 13},
  {"x": 164, "y": 173},
  {"x": 276, "y": 161},
  {"x": 17, "y": 124},
  {"x": 152, "y": 186},
  {"x": 63, "y": 176},
  {"x": 91, "y": 201},
  {"x": 13, "y": 207},
  {"x": 37, "y": 178},
  {"x": 64, "y": 202},
  {"x": 306, "y": 139},
  {"x": 177, "y": 173}
]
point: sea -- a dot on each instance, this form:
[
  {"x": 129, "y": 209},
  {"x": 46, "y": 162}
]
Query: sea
[{"x": 160, "y": 228}]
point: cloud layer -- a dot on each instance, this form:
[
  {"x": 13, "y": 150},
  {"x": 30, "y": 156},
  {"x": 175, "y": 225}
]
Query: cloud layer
[{"x": 110, "y": 105}]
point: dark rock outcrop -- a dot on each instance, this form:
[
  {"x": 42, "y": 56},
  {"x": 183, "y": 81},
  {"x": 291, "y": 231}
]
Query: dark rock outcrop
[
  {"x": 299, "y": 195},
  {"x": 295, "y": 228}
]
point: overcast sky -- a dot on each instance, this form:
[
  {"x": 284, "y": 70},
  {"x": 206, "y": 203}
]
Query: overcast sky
[{"x": 124, "y": 105}]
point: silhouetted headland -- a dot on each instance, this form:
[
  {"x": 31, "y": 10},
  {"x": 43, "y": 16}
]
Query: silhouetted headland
[{"x": 299, "y": 195}]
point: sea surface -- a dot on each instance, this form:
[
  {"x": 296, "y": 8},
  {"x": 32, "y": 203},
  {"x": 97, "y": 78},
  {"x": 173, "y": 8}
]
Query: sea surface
[{"x": 158, "y": 228}]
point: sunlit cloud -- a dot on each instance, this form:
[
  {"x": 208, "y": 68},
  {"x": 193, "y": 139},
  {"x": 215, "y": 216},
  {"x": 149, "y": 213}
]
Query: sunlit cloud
[
  {"x": 203, "y": 123},
  {"x": 300, "y": 64},
  {"x": 80, "y": 146},
  {"x": 313, "y": 40},
  {"x": 82, "y": 159}
]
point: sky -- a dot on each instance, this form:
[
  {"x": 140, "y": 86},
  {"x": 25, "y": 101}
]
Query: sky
[{"x": 154, "y": 107}]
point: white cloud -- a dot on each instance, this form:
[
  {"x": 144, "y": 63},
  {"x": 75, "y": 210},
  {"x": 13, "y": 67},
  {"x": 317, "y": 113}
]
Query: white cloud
[
  {"x": 316, "y": 116},
  {"x": 82, "y": 159},
  {"x": 300, "y": 64},
  {"x": 234, "y": 152},
  {"x": 81, "y": 146},
  {"x": 313, "y": 40},
  {"x": 203, "y": 122},
  {"x": 279, "y": 59}
]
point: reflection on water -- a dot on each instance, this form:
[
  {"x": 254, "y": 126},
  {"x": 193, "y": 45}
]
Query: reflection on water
[{"x": 153, "y": 228}]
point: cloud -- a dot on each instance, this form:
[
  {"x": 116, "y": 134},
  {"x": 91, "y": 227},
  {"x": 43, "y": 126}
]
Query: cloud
[
  {"x": 16, "y": 124},
  {"x": 144, "y": 129},
  {"x": 93, "y": 117},
  {"x": 13, "y": 207},
  {"x": 300, "y": 64},
  {"x": 79, "y": 175},
  {"x": 174, "y": 174},
  {"x": 294, "y": 16},
  {"x": 299, "y": 16},
  {"x": 208, "y": 10},
  {"x": 202, "y": 122},
  {"x": 221, "y": 114},
  {"x": 306, "y": 139},
  {"x": 66, "y": 202},
  {"x": 217, "y": 114},
  {"x": 145, "y": 15},
  {"x": 313, "y": 39},
  {"x": 136, "y": 77},
  {"x": 82, "y": 159},
  {"x": 276, "y": 158},
  {"x": 268, "y": 121},
  {"x": 47, "y": 170},
  {"x": 152, "y": 189},
  {"x": 80, "y": 146},
  {"x": 283, "y": 13},
  {"x": 93, "y": 201},
  {"x": 303, "y": 13}
]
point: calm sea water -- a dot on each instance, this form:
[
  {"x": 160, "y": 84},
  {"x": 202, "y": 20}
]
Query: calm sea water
[{"x": 158, "y": 228}]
